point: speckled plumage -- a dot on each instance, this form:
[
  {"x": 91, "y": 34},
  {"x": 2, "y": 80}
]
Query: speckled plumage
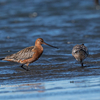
[
  {"x": 80, "y": 52},
  {"x": 29, "y": 54},
  {"x": 21, "y": 55}
]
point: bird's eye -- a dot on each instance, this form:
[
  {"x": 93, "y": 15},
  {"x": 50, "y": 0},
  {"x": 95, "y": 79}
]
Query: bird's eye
[{"x": 41, "y": 40}]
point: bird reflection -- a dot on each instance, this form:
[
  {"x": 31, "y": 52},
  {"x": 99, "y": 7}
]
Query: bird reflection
[{"x": 36, "y": 87}]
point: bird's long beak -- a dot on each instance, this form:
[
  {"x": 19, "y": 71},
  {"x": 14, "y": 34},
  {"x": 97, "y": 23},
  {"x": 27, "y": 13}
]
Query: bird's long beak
[{"x": 50, "y": 45}]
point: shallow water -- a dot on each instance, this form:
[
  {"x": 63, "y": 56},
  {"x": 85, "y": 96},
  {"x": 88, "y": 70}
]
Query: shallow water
[
  {"x": 74, "y": 88},
  {"x": 56, "y": 75}
]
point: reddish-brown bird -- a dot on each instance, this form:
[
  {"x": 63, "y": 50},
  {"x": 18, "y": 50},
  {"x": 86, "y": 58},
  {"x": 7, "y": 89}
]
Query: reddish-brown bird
[
  {"x": 29, "y": 54},
  {"x": 80, "y": 52}
]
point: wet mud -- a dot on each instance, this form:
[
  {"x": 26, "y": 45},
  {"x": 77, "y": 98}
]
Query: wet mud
[{"x": 56, "y": 74}]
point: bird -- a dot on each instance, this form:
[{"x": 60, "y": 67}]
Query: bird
[
  {"x": 80, "y": 52},
  {"x": 28, "y": 55},
  {"x": 96, "y": 2}
]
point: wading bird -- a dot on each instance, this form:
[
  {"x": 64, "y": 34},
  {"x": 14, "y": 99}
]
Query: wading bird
[
  {"x": 29, "y": 54},
  {"x": 80, "y": 52}
]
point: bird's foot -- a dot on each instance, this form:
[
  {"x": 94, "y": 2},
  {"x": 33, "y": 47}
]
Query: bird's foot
[{"x": 24, "y": 68}]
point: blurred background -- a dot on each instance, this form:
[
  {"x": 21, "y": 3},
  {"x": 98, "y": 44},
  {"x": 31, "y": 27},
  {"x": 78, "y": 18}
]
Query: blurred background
[{"x": 56, "y": 75}]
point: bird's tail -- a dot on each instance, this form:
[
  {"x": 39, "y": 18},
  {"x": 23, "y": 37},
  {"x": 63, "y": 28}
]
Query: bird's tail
[{"x": 1, "y": 58}]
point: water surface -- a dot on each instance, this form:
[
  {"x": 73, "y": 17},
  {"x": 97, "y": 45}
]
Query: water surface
[{"x": 56, "y": 75}]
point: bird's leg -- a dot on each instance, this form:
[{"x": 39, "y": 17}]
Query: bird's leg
[
  {"x": 27, "y": 67},
  {"x": 23, "y": 67},
  {"x": 81, "y": 63}
]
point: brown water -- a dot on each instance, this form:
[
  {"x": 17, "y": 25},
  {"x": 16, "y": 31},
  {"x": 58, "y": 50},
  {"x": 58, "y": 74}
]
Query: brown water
[{"x": 56, "y": 75}]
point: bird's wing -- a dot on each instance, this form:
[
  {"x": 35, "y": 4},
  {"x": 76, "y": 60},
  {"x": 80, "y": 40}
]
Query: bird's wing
[
  {"x": 23, "y": 54},
  {"x": 84, "y": 48},
  {"x": 80, "y": 47}
]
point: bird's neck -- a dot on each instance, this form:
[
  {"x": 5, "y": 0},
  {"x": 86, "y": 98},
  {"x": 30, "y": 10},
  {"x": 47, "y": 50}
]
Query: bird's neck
[{"x": 39, "y": 46}]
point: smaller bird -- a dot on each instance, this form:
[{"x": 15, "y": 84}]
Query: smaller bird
[
  {"x": 80, "y": 52},
  {"x": 29, "y": 54}
]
